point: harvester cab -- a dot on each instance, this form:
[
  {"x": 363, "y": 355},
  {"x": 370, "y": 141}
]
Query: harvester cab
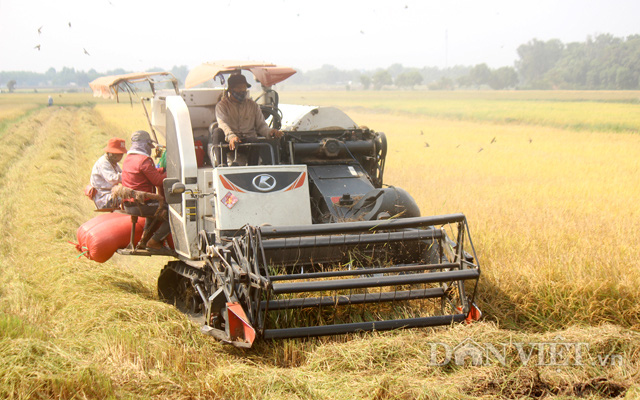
[{"x": 310, "y": 242}]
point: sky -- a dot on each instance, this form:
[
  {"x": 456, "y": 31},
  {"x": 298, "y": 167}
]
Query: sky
[{"x": 349, "y": 34}]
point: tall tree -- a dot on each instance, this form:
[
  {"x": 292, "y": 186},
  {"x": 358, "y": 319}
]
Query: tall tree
[
  {"x": 480, "y": 75},
  {"x": 536, "y": 59},
  {"x": 381, "y": 78},
  {"x": 409, "y": 79},
  {"x": 503, "y": 78},
  {"x": 603, "y": 62},
  {"x": 395, "y": 70},
  {"x": 180, "y": 72},
  {"x": 365, "y": 80}
]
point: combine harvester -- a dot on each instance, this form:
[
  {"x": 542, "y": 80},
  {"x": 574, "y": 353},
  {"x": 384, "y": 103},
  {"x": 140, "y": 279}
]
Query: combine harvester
[{"x": 310, "y": 244}]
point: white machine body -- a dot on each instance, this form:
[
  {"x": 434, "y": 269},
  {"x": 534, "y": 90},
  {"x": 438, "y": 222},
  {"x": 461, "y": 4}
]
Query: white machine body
[
  {"x": 225, "y": 199},
  {"x": 312, "y": 118},
  {"x": 261, "y": 195}
]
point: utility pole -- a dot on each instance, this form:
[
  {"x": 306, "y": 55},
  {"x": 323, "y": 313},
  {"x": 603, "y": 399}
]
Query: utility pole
[{"x": 446, "y": 48}]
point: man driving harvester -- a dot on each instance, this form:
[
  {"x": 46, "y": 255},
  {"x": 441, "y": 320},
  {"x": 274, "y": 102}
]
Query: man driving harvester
[{"x": 240, "y": 119}]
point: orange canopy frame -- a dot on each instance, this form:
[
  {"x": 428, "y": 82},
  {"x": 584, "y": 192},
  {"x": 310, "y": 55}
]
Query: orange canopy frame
[{"x": 265, "y": 73}]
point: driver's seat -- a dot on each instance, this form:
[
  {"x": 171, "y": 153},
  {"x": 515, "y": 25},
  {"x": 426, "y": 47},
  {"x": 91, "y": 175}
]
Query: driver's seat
[{"x": 217, "y": 154}]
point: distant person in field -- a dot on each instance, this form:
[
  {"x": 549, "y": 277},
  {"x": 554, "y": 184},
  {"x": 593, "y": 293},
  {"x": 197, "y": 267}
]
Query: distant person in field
[
  {"x": 140, "y": 173},
  {"x": 240, "y": 118},
  {"x": 106, "y": 173},
  {"x": 50, "y": 101}
]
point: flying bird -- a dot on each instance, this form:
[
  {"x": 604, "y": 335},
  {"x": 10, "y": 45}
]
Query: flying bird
[
  {"x": 426, "y": 144},
  {"x": 530, "y": 140},
  {"x": 457, "y": 146},
  {"x": 422, "y": 133},
  {"x": 493, "y": 140},
  {"x": 37, "y": 47},
  {"x": 86, "y": 52},
  {"x": 362, "y": 32},
  {"x": 69, "y": 24},
  {"x": 480, "y": 149},
  {"x": 40, "y": 29}
]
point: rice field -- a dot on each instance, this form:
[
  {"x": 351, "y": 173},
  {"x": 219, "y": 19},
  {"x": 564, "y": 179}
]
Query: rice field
[
  {"x": 553, "y": 210},
  {"x": 547, "y": 180},
  {"x": 576, "y": 110}
]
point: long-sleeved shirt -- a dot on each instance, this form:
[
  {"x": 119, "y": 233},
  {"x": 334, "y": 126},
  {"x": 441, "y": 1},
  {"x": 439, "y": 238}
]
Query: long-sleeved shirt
[
  {"x": 243, "y": 119},
  {"x": 139, "y": 173},
  {"x": 104, "y": 176}
]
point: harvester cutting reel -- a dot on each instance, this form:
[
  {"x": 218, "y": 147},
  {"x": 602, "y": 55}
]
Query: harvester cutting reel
[{"x": 328, "y": 279}]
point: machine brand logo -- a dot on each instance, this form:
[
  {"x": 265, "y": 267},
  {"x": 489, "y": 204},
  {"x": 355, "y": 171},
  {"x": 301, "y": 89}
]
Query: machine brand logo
[{"x": 264, "y": 182}]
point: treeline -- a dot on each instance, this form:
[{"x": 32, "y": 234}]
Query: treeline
[
  {"x": 602, "y": 62},
  {"x": 396, "y": 75},
  {"x": 69, "y": 77}
]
